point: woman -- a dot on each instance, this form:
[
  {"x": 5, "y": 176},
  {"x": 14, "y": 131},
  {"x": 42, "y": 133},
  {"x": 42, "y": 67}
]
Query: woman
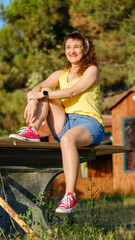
[{"x": 77, "y": 120}]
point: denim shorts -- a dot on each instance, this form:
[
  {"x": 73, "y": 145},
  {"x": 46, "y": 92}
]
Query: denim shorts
[{"x": 93, "y": 126}]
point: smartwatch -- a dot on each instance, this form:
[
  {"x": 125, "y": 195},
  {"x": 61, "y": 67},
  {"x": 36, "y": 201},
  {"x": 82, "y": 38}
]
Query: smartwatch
[{"x": 45, "y": 94}]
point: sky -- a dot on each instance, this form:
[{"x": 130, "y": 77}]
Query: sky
[{"x": 5, "y": 3}]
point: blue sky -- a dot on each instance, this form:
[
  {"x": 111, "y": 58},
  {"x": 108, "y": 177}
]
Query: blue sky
[{"x": 5, "y": 3}]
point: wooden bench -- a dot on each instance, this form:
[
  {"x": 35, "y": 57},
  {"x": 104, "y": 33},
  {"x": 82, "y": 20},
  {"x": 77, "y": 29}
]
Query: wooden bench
[{"x": 28, "y": 168}]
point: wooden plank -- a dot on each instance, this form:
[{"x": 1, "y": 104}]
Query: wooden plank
[
  {"x": 14, "y": 215},
  {"x": 100, "y": 149},
  {"x": 110, "y": 149},
  {"x": 29, "y": 145}
]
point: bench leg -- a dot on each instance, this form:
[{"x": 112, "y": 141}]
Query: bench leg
[
  {"x": 21, "y": 189},
  {"x": 14, "y": 215}
]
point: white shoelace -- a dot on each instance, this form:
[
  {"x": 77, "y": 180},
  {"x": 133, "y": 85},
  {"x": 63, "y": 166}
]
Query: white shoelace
[
  {"x": 22, "y": 129},
  {"x": 66, "y": 200}
]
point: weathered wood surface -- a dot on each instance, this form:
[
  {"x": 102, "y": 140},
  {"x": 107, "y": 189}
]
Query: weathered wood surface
[
  {"x": 14, "y": 215},
  {"x": 45, "y": 146},
  {"x": 45, "y": 154}
]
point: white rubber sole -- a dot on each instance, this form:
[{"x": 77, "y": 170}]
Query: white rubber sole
[
  {"x": 17, "y": 137},
  {"x": 64, "y": 210}
]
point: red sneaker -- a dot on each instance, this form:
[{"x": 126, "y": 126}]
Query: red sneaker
[
  {"x": 27, "y": 134},
  {"x": 68, "y": 203}
]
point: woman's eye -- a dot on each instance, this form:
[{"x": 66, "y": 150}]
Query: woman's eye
[{"x": 77, "y": 46}]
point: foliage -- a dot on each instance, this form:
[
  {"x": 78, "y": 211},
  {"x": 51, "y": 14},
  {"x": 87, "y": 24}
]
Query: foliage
[
  {"x": 95, "y": 212},
  {"x": 31, "y": 39},
  {"x": 12, "y": 106},
  {"x": 26, "y": 44},
  {"x": 112, "y": 25}
]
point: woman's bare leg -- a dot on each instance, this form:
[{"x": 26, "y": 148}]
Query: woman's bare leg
[
  {"x": 41, "y": 115},
  {"x": 56, "y": 117},
  {"x": 53, "y": 112},
  {"x": 75, "y": 137}
]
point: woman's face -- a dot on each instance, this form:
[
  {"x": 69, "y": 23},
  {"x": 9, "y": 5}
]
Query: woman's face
[{"x": 74, "y": 50}]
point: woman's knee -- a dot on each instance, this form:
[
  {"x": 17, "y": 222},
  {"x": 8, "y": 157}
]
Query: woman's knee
[{"x": 67, "y": 140}]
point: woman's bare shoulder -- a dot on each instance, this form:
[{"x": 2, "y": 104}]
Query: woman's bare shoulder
[
  {"x": 57, "y": 73},
  {"x": 93, "y": 68},
  {"x": 93, "y": 73},
  {"x": 52, "y": 80}
]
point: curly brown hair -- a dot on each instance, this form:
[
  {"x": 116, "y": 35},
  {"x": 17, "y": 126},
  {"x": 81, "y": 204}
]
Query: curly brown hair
[{"x": 90, "y": 58}]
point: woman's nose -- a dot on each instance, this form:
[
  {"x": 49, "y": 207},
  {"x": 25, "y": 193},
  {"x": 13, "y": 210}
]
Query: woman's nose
[{"x": 72, "y": 50}]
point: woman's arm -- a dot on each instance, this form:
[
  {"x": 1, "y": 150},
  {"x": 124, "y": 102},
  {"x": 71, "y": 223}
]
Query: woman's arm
[
  {"x": 50, "y": 82},
  {"x": 31, "y": 108},
  {"x": 89, "y": 78}
]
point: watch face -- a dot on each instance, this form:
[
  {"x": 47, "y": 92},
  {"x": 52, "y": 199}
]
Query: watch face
[{"x": 45, "y": 94}]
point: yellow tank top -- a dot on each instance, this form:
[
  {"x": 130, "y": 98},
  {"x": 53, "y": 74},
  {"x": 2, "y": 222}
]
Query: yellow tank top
[{"x": 86, "y": 103}]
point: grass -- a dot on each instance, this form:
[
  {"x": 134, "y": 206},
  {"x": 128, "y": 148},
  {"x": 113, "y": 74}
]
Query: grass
[{"x": 114, "y": 219}]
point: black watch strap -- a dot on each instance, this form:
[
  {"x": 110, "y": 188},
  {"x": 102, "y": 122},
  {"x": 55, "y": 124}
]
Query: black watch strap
[{"x": 45, "y": 93}]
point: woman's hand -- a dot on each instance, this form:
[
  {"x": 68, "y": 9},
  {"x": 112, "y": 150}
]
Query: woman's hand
[
  {"x": 34, "y": 95},
  {"x": 30, "y": 111}
]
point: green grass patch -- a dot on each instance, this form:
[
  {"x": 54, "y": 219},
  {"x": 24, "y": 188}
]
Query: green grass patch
[{"x": 115, "y": 220}]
